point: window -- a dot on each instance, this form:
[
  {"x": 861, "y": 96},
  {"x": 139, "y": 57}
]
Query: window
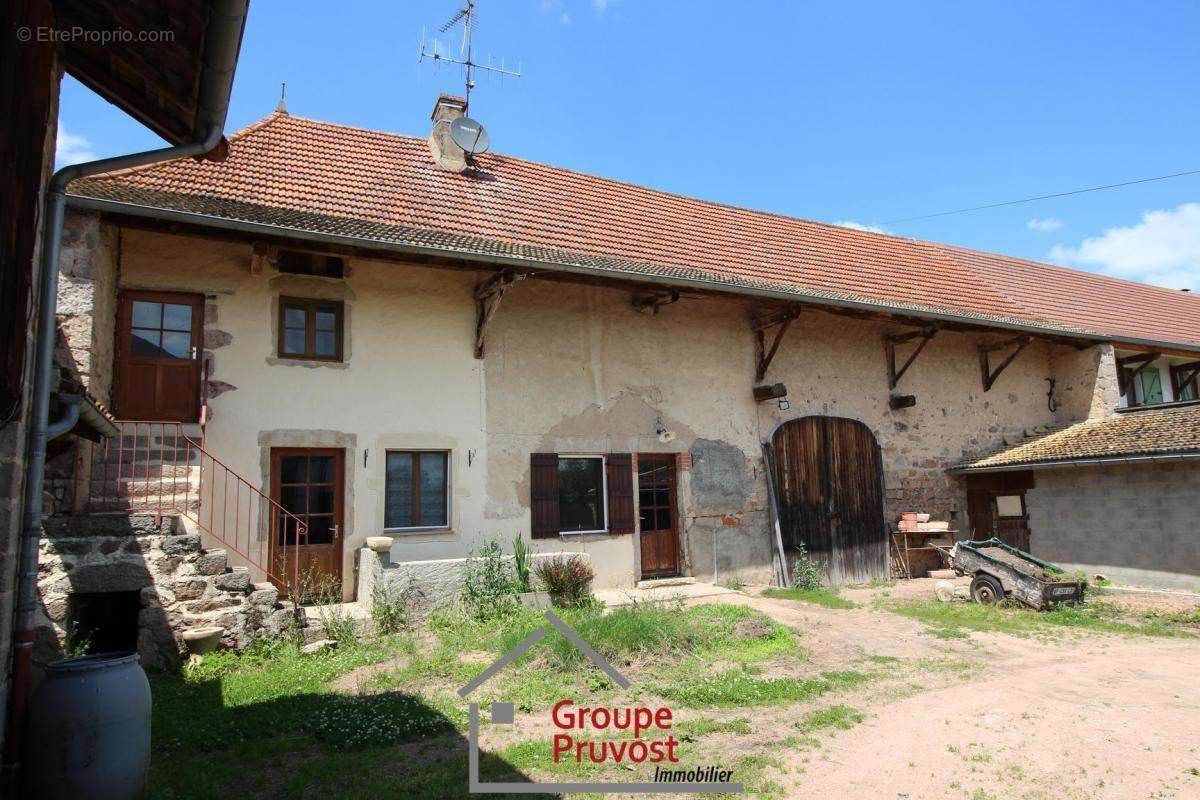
[
  {"x": 160, "y": 330},
  {"x": 1010, "y": 506},
  {"x": 310, "y": 329},
  {"x": 1185, "y": 379},
  {"x": 581, "y": 504},
  {"x": 297, "y": 262},
  {"x": 1143, "y": 387},
  {"x": 417, "y": 489}
]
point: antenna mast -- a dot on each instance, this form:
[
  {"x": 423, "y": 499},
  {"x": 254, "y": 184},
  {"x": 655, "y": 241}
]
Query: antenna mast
[{"x": 466, "y": 16}]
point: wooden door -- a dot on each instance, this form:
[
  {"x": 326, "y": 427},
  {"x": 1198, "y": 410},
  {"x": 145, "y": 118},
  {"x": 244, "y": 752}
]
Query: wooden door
[
  {"x": 309, "y": 483},
  {"x": 829, "y": 482},
  {"x": 996, "y": 507},
  {"x": 659, "y": 521},
  {"x": 159, "y": 344}
]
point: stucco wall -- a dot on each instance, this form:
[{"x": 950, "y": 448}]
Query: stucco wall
[
  {"x": 1134, "y": 522},
  {"x": 571, "y": 368}
]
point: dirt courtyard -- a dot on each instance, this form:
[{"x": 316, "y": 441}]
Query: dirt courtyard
[{"x": 1075, "y": 715}]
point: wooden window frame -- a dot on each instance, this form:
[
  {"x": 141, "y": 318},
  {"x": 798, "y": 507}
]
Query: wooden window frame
[
  {"x": 603, "y": 459},
  {"x": 1177, "y": 388},
  {"x": 311, "y": 306},
  {"x": 416, "y": 492}
]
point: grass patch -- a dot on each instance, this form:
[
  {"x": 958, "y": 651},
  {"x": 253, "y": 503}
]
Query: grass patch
[
  {"x": 954, "y": 620},
  {"x": 827, "y": 597},
  {"x": 842, "y": 718},
  {"x": 741, "y": 688},
  {"x": 694, "y": 729}
]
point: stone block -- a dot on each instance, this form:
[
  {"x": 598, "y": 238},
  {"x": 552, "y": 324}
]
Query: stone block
[
  {"x": 110, "y": 576},
  {"x": 212, "y": 562},
  {"x": 190, "y": 588},
  {"x": 264, "y": 596},
  {"x": 236, "y": 581},
  {"x": 213, "y": 604},
  {"x": 182, "y": 544},
  {"x": 167, "y": 564}
]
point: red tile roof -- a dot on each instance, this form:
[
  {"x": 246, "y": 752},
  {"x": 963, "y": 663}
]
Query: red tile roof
[{"x": 317, "y": 176}]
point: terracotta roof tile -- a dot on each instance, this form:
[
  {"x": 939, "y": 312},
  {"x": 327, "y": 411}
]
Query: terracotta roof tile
[
  {"x": 1140, "y": 433},
  {"x": 285, "y": 165}
]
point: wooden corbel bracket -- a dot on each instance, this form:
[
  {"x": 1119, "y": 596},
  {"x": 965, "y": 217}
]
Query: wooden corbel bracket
[
  {"x": 488, "y": 294},
  {"x": 990, "y": 375},
  {"x": 889, "y": 345},
  {"x": 780, "y": 321}
]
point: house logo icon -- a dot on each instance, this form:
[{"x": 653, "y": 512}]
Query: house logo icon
[{"x": 504, "y": 714}]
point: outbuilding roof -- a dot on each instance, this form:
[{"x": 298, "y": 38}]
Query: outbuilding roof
[
  {"x": 1134, "y": 434},
  {"x": 301, "y": 175}
]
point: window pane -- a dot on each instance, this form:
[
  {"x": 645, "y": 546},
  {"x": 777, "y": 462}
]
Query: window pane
[
  {"x": 292, "y": 498},
  {"x": 326, "y": 343},
  {"x": 320, "y": 500},
  {"x": 326, "y": 321},
  {"x": 1187, "y": 391},
  {"x": 147, "y": 315},
  {"x": 433, "y": 489},
  {"x": 293, "y": 342},
  {"x": 177, "y": 344},
  {"x": 647, "y": 517},
  {"x": 320, "y": 469},
  {"x": 292, "y": 469},
  {"x": 176, "y": 317},
  {"x": 580, "y": 494},
  {"x": 146, "y": 343},
  {"x": 293, "y": 317},
  {"x": 398, "y": 492},
  {"x": 1009, "y": 505},
  {"x": 320, "y": 530}
]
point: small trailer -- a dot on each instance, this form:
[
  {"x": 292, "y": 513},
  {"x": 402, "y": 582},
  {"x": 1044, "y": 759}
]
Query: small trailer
[{"x": 1000, "y": 570}]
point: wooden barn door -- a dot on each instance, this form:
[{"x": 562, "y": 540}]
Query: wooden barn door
[{"x": 830, "y": 485}]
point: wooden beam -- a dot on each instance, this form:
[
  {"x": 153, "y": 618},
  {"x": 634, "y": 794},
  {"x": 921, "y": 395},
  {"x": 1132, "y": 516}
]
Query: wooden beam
[
  {"x": 889, "y": 345},
  {"x": 781, "y": 321},
  {"x": 990, "y": 375},
  {"x": 488, "y": 295},
  {"x": 651, "y": 302},
  {"x": 1188, "y": 372},
  {"x": 1142, "y": 360}
]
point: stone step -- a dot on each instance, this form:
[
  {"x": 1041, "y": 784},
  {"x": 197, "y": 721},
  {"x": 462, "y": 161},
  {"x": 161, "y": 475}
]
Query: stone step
[
  {"x": 146, "y": 504},
  {"x": 143, "y": 487},
  {"x": 657, "y": 583},
  {"x": 111, "y": 524}
]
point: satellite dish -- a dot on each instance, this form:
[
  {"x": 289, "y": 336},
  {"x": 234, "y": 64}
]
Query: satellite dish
[{"x": 469, "y": 135}]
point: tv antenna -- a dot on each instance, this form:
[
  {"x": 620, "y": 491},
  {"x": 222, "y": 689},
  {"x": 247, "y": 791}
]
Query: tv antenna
[{"x": 437, "y": 52}]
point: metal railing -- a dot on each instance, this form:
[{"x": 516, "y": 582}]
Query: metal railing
[{"x": 156, "y": 468}]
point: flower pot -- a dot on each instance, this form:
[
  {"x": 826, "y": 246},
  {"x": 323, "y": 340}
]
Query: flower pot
[{"x": 202, "y": 640}]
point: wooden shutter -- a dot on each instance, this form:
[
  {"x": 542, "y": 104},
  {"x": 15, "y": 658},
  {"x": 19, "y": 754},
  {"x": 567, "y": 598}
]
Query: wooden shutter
[
  {"x": 1151, "y": 386},
  {"x": 620, "y": 492},
  {"x": 543, "y": 494}
]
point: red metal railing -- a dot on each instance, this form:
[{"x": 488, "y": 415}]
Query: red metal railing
[{"x": 156, "y": 468}]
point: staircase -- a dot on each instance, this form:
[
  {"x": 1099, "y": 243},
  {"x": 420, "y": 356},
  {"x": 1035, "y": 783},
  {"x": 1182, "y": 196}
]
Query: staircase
[{"x": 162, "y": 469}]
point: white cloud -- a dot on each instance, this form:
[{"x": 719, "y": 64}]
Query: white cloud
[
  {"x": 70, "y": 148},
  {"x": 565, "y": 19},
  {"x": 1162, "y": 249},
  {"x": 1044, "y": 225},
  {"x": 858, "y": 226},
  {"x": 601, "y": 5}
]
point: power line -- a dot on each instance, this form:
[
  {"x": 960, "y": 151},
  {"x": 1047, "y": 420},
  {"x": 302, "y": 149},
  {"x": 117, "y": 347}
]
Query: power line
[{"x": 1044, "y": 197}]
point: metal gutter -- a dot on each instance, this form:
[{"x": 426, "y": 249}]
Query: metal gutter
[
  {"x": 221, "y": 49},
  {"x": 505, "y": 261},
  {"x": 1077, "y": 462}
]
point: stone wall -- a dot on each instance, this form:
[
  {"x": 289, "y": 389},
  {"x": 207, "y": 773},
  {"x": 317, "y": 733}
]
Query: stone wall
[
  {"x": 182, "y": 585},
  {"x": 432, "y": 584},
  {"x": 1137, "y": 522}
]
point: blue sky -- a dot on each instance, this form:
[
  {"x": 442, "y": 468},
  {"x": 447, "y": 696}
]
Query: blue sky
[{"x": 862, "y": 112}]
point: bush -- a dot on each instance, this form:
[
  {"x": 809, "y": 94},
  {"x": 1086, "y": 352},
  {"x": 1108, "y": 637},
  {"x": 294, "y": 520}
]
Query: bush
[
  {"x": 807, "y": 573},
  {"x": 488, "y": 584},
  {"x": 325, "y": 593},
  {"x": 522, "y": 559},
  {"x": 390, "y": 607},
  {"x": 568, "y": 579}
]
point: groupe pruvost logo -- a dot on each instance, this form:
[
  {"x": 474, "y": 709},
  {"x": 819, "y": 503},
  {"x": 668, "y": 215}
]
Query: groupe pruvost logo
[{"x": 585, "y": 733}]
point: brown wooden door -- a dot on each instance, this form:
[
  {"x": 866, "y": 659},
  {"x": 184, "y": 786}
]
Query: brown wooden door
[
  {"x": 309, "y": 484},
  {"x": 829, "y": 482},
  {"x": 996, "y": 507},
  {"x": 656, "y": 507},
  {"x": 159, "y": 344}
]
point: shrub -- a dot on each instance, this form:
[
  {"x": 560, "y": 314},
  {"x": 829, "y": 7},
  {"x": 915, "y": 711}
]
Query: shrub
[
  {"x": 522, "y": 559},
  {"x": 807, "y": 573},
  {"x": 390, "y": 607},
  {"x": 325, "y": 593},
  {"x": 568, "y": 579},
  {"x": 488, "y": 585}
]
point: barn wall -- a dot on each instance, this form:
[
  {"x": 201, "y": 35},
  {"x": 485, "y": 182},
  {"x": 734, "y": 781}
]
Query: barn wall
[{"x": 572, "y": 368}]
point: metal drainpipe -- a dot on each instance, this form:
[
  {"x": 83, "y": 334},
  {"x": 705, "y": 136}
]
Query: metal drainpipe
[{"x": 40, "y": 427}]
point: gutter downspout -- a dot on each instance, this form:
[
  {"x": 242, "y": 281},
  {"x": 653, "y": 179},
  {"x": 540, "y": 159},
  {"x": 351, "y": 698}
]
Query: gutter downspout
[
  {"x": 220, "y": 59},
  {"x": 69, "y": 418}
]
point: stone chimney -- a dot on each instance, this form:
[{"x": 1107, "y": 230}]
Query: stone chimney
[{"x": 446, "y": 154}]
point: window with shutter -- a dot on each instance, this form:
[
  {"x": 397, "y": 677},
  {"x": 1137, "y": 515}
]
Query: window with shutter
[
  {"x": 1151, "y": 385},
  {"x": 620, "y": 492},
  {"x": 543, "y": 501}
]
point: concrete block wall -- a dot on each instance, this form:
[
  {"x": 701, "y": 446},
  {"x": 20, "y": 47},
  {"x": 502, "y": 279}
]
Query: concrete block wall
[{"x": 1138, "y": 522}]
